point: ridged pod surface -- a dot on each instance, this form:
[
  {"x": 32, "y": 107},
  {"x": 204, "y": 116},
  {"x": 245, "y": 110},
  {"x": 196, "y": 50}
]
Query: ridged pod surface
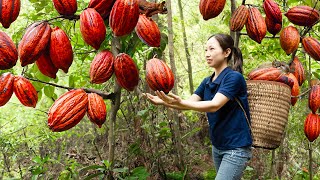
[
  {"x": 9, "y": 11},
  {"x": 312, "y": 47},
  {"x": 103, "y": 7},
  {"x": 68, "y": 110},
  {"x": 256, "y": 26},
  {"x": 148, "y": 31},
  {"x": 65, "y": 7},
  {"x": 46, "y": 66},
  {"x": 314, "y": 98},
  {"x": 295, "y": 90},
  {"x": 25, "y": 91},
  {"x": 273, "y": 28},
  {"x": 124, "y": 17},
  {"x": 312, "y": 127},
  {"x": 97, "y": 111},
  {"x": 92, "y": 27},
  {"x": 60, "y": 49},
  {"x": 284, "y": 79},
  {"x": 101, "y": 68},
  {"x": 289, "y": 39},
  {"x": 272, "y": 10},
  {"x": 239, "y": 18},
  {"x": 298, "y": 70},
  {"x": 34, "y": 42},
  {"x": 159, "y": 76},
  {"x": 303, "y": 15},
  {"x": 211, "y": 8},
  {"x": 8, "y": 52},
  {"x": 268, "y": 74},
  {"x": 6, "y": 87},
  {"x": 126, "y": 71}
]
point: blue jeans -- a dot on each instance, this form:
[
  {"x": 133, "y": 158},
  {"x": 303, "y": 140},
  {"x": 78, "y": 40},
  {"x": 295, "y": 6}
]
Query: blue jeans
[{"x": 230, "y": 164}]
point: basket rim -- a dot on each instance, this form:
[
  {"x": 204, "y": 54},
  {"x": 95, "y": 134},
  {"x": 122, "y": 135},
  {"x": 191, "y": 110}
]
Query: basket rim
[{"x": 269, "y": 82}]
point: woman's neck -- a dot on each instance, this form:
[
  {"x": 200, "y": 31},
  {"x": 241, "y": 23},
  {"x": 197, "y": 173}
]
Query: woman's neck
[{"x": 218, "y": 70}]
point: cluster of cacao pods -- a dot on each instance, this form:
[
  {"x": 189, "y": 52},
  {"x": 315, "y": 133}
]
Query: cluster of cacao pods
[{"x": 312, "y": 122}]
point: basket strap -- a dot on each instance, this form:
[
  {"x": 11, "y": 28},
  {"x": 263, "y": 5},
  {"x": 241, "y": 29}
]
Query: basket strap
[{"x": 245, "y": 114}]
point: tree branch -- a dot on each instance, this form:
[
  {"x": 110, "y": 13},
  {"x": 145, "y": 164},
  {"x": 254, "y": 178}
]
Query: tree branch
[{"x": 302, "y": 94}]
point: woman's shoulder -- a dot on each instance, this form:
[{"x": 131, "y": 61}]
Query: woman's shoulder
[{"x": 234, "y": 75}]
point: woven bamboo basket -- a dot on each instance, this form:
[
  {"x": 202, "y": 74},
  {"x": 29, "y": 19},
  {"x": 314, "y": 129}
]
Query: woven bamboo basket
[{"x": 269, "y": 104}]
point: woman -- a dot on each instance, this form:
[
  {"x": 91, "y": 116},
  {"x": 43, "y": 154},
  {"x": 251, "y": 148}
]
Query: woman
[{"x": 229, "y": 129}]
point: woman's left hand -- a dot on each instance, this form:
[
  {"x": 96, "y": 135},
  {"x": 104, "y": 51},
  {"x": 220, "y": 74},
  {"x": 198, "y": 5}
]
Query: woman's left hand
[{"x": 170, "y": 98}]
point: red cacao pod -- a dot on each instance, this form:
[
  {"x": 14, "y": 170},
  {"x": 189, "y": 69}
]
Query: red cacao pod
[
  {"x": 34, "y": 42},
  {"x": 103, "y": 7},
  {"x": 9, "y": 12},
  {"x": 284, "y": 79},
  {"x": 92, "y": 27},
  {"x": 314, "y": 98},
  {"x": 295, "y": 90},
  {"x": 256, "y": 26},
  {"x": 148, "y": 31},
  {"x": 273, "y": 28},
  {"x": 6, "y": 87},
  {"x": 312, "y": 47},
  {"x": 289, "y": 39},
  {"x": 298, "y": 70},
  {"x": 312, "y": 127},
  {"x": 211, "y": 8},
  {"x": 46, "y": 66},
  {"x": 124, "y": 17},
  {"x": 268, "y": 74},
  {"x": 25, "y": 91},
  {"x": 303, "y": 15},
  {"x": 65, "y": 7},
  {"x": 239, "y": 18},
  {"x": 60, "y": 49},
  {"x": 159, "y": 76},
  {"x": 272, "y": 11},
  {"x": 97, "y": 111},
  {"x": 8, "y": 52},
  {"x": 101, "y": 68},
  {"x": 68, "y": 110},
  {"x": 126, "y": 71}
]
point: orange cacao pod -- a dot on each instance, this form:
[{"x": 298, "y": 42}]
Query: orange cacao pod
[
  {"x": 6, "y": 87},
  {"x": 96, "y": 112},
  {"x": 46, "y": 66},
  {"x": 312, "y": 47},
  {"x": 120, "y": 22},
  {"x": 60, "y": 49},
  {"x": 211, "y": 8},
  {"x": 256, "y": 26},
  {"x": 272, "y": 11},
  {"x": 289, "y": 39},
  {"x": 268, "y": 74},
  {"x": 68, "y": 110},
  {"x": 273, "y": 28},
  {"x": 298, "y": 70},
  {"x": 65, "y": 7},
  {"x": 8, "y": 52},
  {"x": 34, "y": 42},
  {"x": 101, "y": 68},
  {"x": 148, "y": 31},
  {"x": 10, "y": 10},
  {"x": 312, "y": 127},
  {"x": 25, "y": 91},
  {"x": 303, "y": 15},
  {"x": 295, "y": 90},
  {"x": 314, "y": 98},
  {"x": 103, "y": 7},
  {"x": 126, "y": 71},
  {"x": 284, "y": 79},
  {"x": 159, "y": 76},
  {"x": 92, "y": 33},
  {"x": 239, "y": 18}
]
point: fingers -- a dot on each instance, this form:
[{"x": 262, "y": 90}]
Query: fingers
[{"x": 173, "y": 96}]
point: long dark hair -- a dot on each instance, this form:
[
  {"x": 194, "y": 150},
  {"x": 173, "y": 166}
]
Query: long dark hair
[{"x": 226, "y": 41}]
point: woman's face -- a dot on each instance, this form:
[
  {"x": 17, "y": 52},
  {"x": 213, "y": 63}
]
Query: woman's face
[{"x": 215, "y": 56}]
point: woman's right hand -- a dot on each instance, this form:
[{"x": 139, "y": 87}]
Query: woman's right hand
[{"x": 154, "y": 99}]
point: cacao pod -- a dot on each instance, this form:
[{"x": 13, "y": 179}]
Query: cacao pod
[
  {"x": 92, "y": 27},
  {"x": 284, "y": 79},
  {"x": 10, "y": 10},
  {"x": 148, "y": 31},
  {"x": 312, "y": 47},
  {"x": 25, "y": 91},
  {"x": 46, "y": 66},
  {"x": 34, "y": 42},
  {"x": 8, "y": 52},
  {"x": 96, "y": 112},
  {"x": 239, "y": 18},
  {"x": 60, "y": 49},
  {"x": 65, "y": 7},
  {"x": 298, "y": 70},
  {"x": 211, "y": 8},
  {"x": 6, "y": 87},
  {"x": 272, "y": 11},
  {"x": 314, "y": 98},
  {"x": 159, "y": 76},
  {"x": 256, "y": 26},
  {"x": 273, "y": 28},
  {"x": 289, "y": 39},
  {"x": 68, "y": 110},
  {"x": 126, "y": 72},
  {"x": 295, "y": 90},
  {"x": 303, "y": 15},
  {"x": 312, "y": 127},
  {"x": 101, "y": 68},
  {"x": 124, "y": 17},
  {"x": 103, "y": 7},
  {"x": 268, "y": 74}
]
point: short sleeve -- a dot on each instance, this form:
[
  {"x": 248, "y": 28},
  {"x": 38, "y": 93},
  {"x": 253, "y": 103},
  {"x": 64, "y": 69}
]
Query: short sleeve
[
  {"x": 231, "y": 85},
  {"x": 200, "y": 90}
]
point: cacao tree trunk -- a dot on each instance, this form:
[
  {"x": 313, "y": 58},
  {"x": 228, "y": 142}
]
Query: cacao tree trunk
[{"x": 233, "y": 8}]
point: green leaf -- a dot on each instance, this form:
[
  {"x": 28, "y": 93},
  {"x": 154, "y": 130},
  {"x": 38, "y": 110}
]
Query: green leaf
[
  {"x": 49, "y": 91},
  {"x": 93, "y": 175},
  {"x": 37, "y": 160},
  {"x": 195, "y": 130},
  {"x": 71, "y": 80},
  {"x": 140, "y": 172},
  {"x": 93, "y": 167},
  {"x": 121, "y": 170}
]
